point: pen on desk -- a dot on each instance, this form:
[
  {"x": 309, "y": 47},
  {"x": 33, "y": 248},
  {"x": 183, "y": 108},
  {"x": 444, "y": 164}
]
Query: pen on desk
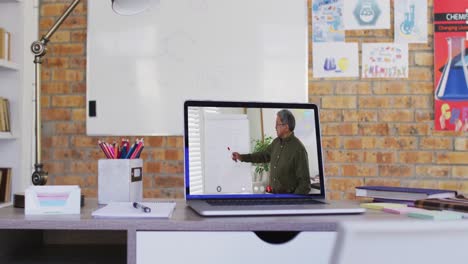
[{"x": 146, "y": 209}]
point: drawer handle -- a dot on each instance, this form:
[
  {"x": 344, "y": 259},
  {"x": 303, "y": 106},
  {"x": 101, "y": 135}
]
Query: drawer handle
[{"x": 276, "y": 237}]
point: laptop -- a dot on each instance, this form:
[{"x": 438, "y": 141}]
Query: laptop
[{"x": 285, "y": 175}]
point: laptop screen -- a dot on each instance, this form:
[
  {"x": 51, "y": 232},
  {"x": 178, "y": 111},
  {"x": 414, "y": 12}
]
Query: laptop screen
[{"x": 252, "y": 150}]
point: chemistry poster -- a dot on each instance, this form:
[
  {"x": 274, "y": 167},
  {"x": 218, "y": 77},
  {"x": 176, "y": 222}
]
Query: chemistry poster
[
  {"x": 327, "y": 21},
  {"x": 367, "y": 14},
  {"x": 450, "y": 65},
  {"x": 410, "y": 21},
  {"x": 384, "y": 60},
  {"x": 335, "y": 59}
]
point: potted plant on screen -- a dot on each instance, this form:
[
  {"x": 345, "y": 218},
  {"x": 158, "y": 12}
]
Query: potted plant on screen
[{"x": 262, "y": 169}]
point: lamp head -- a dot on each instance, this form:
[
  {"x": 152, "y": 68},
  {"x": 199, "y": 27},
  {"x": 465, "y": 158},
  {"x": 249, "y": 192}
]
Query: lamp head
[{"x": 130, "y": 7}]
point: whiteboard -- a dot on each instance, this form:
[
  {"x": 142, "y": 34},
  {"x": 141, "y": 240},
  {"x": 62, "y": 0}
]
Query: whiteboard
[
  {"x": 141, "y": 68},
  {"x": 224, "y": 134}
]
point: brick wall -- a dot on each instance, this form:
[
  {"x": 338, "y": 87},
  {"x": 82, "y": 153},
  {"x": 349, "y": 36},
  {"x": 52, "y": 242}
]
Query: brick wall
[
  {"x": 381, "y": 131},
  {"x": 69, "y": 155},
  {"x": 374, "y": 131}
]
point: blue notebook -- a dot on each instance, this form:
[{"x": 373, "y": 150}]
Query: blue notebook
[{"x": 402, "y": 193}]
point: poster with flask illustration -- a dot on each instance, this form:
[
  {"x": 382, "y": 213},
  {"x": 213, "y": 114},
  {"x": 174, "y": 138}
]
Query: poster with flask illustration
[
  {"x": 335, "y": 60},
  {"x": 410, "y": 21},
  {"x": 450, "y": 65}
]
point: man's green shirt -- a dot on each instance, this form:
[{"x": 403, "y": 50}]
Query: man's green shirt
[{"x": 289, "y": 165}]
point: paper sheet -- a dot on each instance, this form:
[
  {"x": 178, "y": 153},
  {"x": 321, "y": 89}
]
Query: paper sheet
[
  {"x": 335, "y": 60},
  {"x": 384, "y": 60},
  {"x": 366, "y": 14},
  {"x": 126, "y": 210}
]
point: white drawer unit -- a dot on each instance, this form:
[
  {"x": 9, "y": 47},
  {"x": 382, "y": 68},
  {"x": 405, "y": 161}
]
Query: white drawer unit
[{"x": 230, "y": 247}]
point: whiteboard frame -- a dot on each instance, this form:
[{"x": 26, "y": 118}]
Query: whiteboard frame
[{"x": 140, "y": 69}]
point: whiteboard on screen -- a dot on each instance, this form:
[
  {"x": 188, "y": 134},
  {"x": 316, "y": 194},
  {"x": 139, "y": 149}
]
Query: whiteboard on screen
[
  {"x": 224, "y": 134},
  {"x": 141, "y": 68}
]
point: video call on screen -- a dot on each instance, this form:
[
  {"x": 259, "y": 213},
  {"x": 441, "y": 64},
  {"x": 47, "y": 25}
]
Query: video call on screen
[{"x": 214, "y": 133}]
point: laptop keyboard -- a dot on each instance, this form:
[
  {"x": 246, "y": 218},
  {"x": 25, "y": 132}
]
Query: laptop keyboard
[{"x": 262, "y": 202}]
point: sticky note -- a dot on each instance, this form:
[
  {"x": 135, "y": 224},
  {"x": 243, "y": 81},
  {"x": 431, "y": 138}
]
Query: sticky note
[
  {"x": 435, "y": 215},
  {"x": 402, "y": 210},
  {"x": 380, "y": 206}
]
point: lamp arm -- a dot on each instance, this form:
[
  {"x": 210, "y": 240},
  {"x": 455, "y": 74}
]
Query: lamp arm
[
  {"x": 62, "y": 18},
  {"x": 39, "y": 49}
]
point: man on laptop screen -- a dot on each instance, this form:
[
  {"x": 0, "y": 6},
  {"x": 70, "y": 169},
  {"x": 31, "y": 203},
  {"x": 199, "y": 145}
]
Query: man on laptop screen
[
  {"x": 287, "y": 170},
  {"x": 289, "y": 164}
]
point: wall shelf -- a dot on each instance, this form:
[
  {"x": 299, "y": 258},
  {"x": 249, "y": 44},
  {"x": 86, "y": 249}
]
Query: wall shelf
[
  {"x": 6, "y": 135},
  {"x": 5, "y": 204},
  {"x": 8, "y": 65},
  {"x": 16, "y": 77}
]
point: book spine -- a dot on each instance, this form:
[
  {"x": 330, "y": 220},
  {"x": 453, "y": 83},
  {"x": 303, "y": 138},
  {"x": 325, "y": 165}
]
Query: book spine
[
  {"x": 384, "y": 200},
  {"x": 2, "y": 43},
  {"x": 2, "y": 115},
  {"x": 7, "y": 115},
  {"x": 3, "y": 183},
  {"x": 441, "y": 205},
  {"x": 8, "y": 186},
  {"x": 8, "y": 46}
]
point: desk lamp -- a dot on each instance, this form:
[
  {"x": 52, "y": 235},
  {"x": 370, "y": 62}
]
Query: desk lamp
[{"x": 39, "y": 49}]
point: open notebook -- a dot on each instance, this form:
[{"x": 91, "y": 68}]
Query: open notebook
[
  {"x": 127, "y": 210},
  {"x": 289, "y": 181}
]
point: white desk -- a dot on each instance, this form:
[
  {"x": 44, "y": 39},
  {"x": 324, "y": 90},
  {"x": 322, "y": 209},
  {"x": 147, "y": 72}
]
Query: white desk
[{"x": 82, "y": 239}]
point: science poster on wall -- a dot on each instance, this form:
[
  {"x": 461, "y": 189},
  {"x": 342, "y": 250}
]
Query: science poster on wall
[
  {"x": 367, "y": 14},
  {"x": 450, "y": 65},
  {"x": 335, "y": 59},
  {"x": 410, "y": 21},
  {"x": 384, "y": 60},
  {"x": 327, "y": 21}
]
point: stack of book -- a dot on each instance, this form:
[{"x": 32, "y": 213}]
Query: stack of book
[
  {"x": 458, "y": 203},
  {"x": 410, "y": 211},
  {"x": 5, "y": 185},
  {"x": 4, "y": 115},
  {"x": 5, "y": 44},
  {"x": 402, "y": 194}
]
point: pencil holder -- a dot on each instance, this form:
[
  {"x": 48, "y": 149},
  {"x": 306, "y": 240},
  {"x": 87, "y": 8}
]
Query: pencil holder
[{"x": 120, "y": 180}]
